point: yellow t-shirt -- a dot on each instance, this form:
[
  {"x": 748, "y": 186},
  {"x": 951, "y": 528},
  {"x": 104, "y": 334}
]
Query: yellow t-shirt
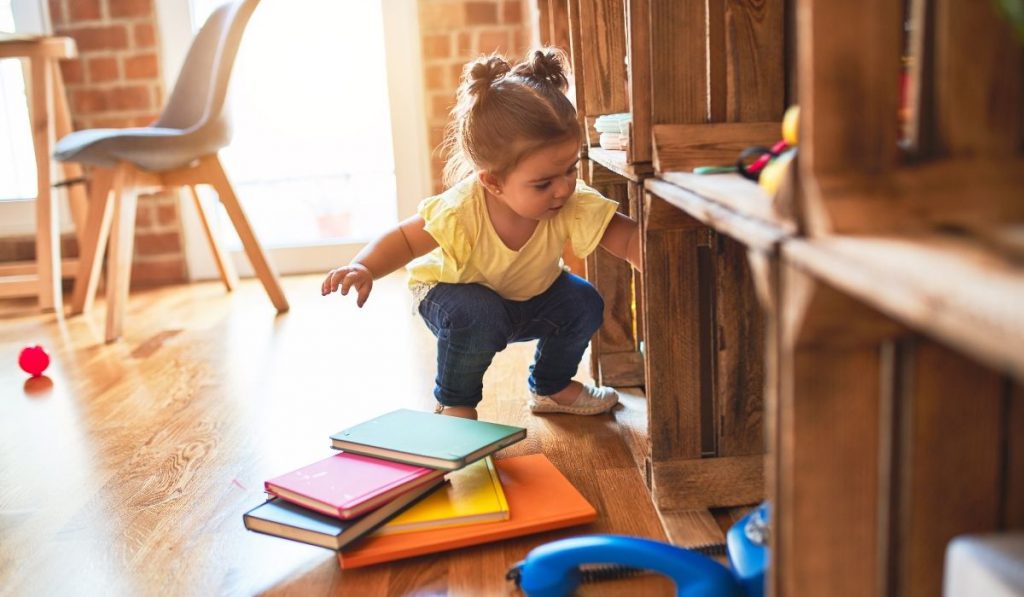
[{"x": 470, "y": 251}]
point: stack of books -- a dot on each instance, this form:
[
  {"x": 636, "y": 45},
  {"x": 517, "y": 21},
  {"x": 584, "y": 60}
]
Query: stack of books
[{"x": 409, "y": 483}]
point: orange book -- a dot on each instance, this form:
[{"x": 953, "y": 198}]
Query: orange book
[{"x": 539, "y": 498}]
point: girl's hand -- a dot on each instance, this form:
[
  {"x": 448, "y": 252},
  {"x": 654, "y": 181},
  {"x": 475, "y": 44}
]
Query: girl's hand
[{"x": 354, "y": 275}]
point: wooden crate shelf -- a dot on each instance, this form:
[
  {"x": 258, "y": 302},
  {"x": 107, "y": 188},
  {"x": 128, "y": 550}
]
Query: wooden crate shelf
[
  {"x": 948, "y": 287},
  {"x": 616, "y": 161}
]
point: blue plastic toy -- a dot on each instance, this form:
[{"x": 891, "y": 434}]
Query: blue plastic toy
[{"x": 553, "y": 570}]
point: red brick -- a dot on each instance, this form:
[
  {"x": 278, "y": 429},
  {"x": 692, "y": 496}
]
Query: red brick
[
  {"x": 88, "y": 101},
  {"x": 512, "y": 12},
  {"x": 438, "y": 16},
  {"x": 495, "y": 40},
  {"x": 481, "y": 13},
  {"x": 143, "y": 66},
  {"x": 110, "y": 122},
  {"x": 146, "y": 120},
  {"x": 464, "y": 44},
  {"x": 436, "y": 46},
  {"x": 103, "y": 69},
  {"x": 157, "y": 243},
  {"x": 135, "y": 97},
  {"x": 111, "y": 37},
  {"x": 154, "y": 272},
  {"x": 129, "y": 8},
  {"x": 57, "y": 13},
  {"x": 145, "y": 36},
  {"x": 83, "y": 10},
  {"x": 143, "y": 217},
  {"x": 441, "y": 104},
  {"x": 71, "y": 71},
  {"x": 457, "y": 72},
  {"x": 436, "y": 136},
  {"x": 167, "y": 214},
  {"x": 435, "y": 78}
]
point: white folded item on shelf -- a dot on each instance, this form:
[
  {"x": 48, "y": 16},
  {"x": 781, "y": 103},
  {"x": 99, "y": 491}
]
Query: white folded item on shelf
[
  {"x": 614, "y": 141},
  {"x": 991, "y": 565}
]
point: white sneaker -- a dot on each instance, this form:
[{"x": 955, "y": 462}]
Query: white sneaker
[{"x": 590, "y": 401}]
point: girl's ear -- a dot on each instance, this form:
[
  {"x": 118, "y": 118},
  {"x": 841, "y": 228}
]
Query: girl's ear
[{"x": 490, "y": 181}]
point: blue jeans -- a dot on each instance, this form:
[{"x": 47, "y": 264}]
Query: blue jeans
[{"x": 472, "y": 323}]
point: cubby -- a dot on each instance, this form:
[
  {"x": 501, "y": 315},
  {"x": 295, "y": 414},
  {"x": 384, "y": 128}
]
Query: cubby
[{"x": 851, "y": 348}]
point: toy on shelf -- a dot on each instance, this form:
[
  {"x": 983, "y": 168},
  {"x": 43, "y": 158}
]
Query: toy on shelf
[
  {"x": 33, "y": 360},
  {"x": 765, "y": 165}
]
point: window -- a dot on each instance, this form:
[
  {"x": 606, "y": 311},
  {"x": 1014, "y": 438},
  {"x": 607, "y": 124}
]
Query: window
[{"x": 314, "y": 102}]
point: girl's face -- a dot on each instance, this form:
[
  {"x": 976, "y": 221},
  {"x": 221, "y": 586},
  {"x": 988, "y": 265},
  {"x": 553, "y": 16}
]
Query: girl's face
[{"x": 538, "y": 187}]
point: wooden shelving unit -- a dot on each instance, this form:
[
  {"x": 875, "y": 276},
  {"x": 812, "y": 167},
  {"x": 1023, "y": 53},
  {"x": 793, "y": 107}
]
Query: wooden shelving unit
[{"x": 851, "y": 349}]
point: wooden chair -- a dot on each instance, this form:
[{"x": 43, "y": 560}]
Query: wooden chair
[{"x": 178, "y": 150}]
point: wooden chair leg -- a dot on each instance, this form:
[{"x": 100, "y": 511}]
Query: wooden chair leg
[
  {"x": 93, "y": 237},
  {"x": 119, "y": 255},
  {"x": 223, "y": 261},
  {"x": 260, "y": 263}
]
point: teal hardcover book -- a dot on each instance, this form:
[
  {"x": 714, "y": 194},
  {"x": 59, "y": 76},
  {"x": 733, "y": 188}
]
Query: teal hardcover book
[{"x": 426, "y": 439}]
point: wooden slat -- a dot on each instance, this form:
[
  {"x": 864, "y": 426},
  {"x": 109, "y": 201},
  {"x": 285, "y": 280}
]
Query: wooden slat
[
  {"x": 612, "y": 278},
  {"x": 979, "y": 86},
  {"x": 751, "y": 232},
  {"x": 944, "y": 286},
  {"x": 746, "y": 80},
  {"x": 849, "y": 90},
  {"x": 616, "y": 161},
  {"x": 740, "y": 356},
  {"x": 683, "y": 147},
  {"x": 671, "y": 329},
  {"x": 559, "y": 24},
  {"x": 826, "y": 509},
  {"x": 638, "y": 46},
  {"x": 579, "y": 78},
  {"x": 603, "y": 34},
  {"x": 848, "y": 104},
  {"x": 686, "y": 484},
  {"x": 920, "y": 198},
  {"x": 68, "y": 268},
  {"x": 19, "y": 285},
  {"x": 621, "y": 368},
  {"x": 679, "y": 87},
  {"x": 950, "y": 467},
  {"x": 691, "y": 528}
]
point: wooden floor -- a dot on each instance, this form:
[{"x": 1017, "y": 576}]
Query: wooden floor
[{"x": 127, "y": 469}]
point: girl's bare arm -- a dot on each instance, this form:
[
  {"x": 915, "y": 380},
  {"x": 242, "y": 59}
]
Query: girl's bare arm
[
  {"x": 380, "y": 257},
  {"x": 622, "y": 239}
]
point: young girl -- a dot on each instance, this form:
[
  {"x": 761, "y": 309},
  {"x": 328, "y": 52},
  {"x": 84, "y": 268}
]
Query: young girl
[{"x": 486, "y": 254}]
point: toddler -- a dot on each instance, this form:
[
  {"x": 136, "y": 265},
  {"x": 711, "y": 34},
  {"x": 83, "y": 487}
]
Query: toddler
[{"x": 484, "y": 257}]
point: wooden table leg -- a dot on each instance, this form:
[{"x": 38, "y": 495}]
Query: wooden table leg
[{"x": 48, "y": 264}]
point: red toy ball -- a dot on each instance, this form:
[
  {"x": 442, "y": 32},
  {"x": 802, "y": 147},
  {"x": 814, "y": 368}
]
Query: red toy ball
[{"x": 33, "y": 360}]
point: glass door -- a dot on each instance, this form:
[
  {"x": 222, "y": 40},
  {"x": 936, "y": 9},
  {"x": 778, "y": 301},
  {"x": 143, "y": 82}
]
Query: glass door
[{"x": 313, "y": 158}]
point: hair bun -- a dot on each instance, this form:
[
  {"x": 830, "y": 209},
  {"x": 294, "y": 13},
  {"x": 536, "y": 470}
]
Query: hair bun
[
  {"x": 547, "y": 65},
  {"x": 479, "y": 75}
]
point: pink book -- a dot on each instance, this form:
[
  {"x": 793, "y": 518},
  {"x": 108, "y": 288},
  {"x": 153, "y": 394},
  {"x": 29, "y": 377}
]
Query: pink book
[{"x": 348, "y": 485}]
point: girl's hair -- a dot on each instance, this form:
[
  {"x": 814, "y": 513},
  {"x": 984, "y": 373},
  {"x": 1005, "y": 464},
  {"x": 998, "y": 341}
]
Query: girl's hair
[{"x": 505, "y": 112}]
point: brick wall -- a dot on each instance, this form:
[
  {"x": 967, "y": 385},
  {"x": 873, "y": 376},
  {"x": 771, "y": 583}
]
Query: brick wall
[
  {"x": 116, "y": 82},
  {"x": 454, "y": 32}
]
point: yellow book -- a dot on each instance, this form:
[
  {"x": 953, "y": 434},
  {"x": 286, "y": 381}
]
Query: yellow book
[{"x": 472, "y": 495}]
